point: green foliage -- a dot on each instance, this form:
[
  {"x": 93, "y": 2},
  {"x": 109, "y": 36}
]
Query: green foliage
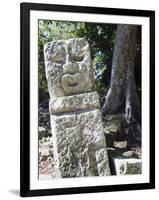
[
  {"x": 101, "y": 38},
  {"x": 43, "y": 89}
]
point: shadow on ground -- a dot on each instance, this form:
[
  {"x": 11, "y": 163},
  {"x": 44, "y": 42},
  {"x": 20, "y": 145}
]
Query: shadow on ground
[{"x": 15, "y": 192}]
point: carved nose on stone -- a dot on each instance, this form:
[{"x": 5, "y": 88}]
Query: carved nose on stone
[{"x": 70, "y": 68}]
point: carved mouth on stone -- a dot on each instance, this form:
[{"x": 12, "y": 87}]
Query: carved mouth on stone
[
  {"x": 73, "y": 84},
  {"x": 71, "y": 79}
]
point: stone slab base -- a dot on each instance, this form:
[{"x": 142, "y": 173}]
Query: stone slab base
[{"x": 79, "y": 144}]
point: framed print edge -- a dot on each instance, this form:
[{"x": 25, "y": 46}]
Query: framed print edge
[
  {"x": 152, "y": 99},
  {"x": 25, "y": 104},
  {"x": 25, "y": 190}
]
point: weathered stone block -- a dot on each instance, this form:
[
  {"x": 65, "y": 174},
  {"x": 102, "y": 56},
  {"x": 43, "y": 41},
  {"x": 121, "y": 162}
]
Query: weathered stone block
[
  {"x": 128, "y": 166},
  {"x": 68, "y": 67},
  {"x": 77, "y": 130},
  {"x": 120, "y": 144},
  {"x": 80, "y": 144},
  {"x": 74, "y": 103}
]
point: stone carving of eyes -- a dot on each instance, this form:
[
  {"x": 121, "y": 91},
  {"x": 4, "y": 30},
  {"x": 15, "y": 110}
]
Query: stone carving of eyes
[
  {"x": 78, "y": 58},
  {"x": 77, "y": 52},
  {"x": 58, "y": 54}
]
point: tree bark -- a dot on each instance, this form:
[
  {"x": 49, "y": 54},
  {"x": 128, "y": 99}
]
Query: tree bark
[{"x": 122, "y": 94}]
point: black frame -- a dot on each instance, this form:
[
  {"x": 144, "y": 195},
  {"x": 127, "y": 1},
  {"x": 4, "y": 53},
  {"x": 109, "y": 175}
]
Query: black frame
[{"x": 25, "y": 96}]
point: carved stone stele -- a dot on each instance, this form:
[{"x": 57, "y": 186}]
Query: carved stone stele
[
  {"x": 78, "y": 139},
  {"x": 68, "y": 67}
]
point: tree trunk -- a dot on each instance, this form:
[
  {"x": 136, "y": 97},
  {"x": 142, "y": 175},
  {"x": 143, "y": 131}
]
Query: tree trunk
[{"x": 122, "y": 95}]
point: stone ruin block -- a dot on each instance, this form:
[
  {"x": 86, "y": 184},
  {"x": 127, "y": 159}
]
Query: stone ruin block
[
  {"x": 77, "y": 129},
  {"x": 128, "y": 166}
]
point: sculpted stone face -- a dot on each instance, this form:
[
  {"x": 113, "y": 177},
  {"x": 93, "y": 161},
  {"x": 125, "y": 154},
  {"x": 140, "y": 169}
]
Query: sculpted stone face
[
  {"x": 68, "y": 67},
  {"x": 77, "y": 130}
]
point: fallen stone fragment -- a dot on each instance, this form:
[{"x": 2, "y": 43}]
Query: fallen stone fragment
[
  {"x": 120, "y": 144},
  {"x": 130, "y": 154},
  {"x": 128, "y": 166}
]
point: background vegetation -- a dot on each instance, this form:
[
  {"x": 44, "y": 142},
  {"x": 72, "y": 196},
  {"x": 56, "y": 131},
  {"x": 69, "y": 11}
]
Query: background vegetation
[
  {"x": 121, "y": 137},
  {"x": 101, "y": 38}
]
